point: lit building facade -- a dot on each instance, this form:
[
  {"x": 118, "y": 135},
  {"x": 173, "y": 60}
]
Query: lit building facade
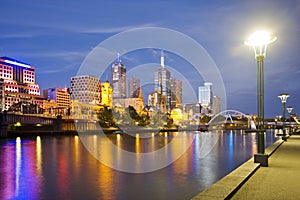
[
  {"x": 118, "y": 79},
  {"x": 17, "y": 85},
  {"x": 162, "y": 85},
  {"x": 206, "y": 95},
  {"x": 176, "y": 93},
  {"x": 154, "y": 99},
  {"x": 133, "y": 87},
  {"x": 61, "y": 97},
  {"x": 85, "y": 97},
  {"x": 106, "y": 94}
]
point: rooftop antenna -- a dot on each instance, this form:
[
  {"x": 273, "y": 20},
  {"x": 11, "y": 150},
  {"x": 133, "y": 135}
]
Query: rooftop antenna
[
  {"x": 119, "y": 58},
  {"x": 162, "y": 59}
]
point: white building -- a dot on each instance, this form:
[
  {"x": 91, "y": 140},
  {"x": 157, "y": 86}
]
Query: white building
[
  {"x": 205, "y": 95},
  {"x": 86, "y": 89}
]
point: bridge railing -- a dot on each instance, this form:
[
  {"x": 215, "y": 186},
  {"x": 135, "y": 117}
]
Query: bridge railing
[{"x": 11, "y": 118}]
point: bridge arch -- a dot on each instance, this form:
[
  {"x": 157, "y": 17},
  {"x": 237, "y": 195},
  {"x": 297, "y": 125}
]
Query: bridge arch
[{"x": 224, "y": 116}]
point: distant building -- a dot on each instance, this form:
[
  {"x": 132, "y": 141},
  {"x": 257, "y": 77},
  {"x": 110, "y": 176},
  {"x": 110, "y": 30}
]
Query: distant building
[
  {"x": 162, "y": 85},
  {"x": 154, "y": 99},
  {"x": 106, "y": 94},
  {"x": 118, "y": 79},
  {"x": 176, "y": 93},
  {"x": 86, "y": 89},
  {"x": 18, "y": 87},
  {"x": 192, "y": 108},
  {"x": 206, "y": 97},
  {"x": 216, "y": 105},
  {"x": 137, "y": 103},
  {"x": 192, "y": 111},
  {"x": 61, "y": 97},
  {"x": 133, "y": 87}
]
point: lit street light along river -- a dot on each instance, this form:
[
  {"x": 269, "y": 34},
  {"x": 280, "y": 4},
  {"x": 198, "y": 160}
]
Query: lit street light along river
[{"x": 60, "y": 167}]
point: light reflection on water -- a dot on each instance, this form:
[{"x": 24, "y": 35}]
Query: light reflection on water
[{"x": 61, "y": 167}]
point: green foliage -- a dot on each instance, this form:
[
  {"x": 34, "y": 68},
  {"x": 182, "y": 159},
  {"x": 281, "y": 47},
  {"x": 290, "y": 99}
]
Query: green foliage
[
  {"x": 205, "y": 119},
  {"x": 110, "y": 118},
  {"x": 106, "y": 118}
]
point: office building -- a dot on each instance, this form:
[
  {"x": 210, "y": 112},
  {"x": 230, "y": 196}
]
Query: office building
[
  {"x": 176, "y": 93},
  {"x": 206, "y": 95},
  {"x": 133, "y": 87},
  {"x": 118, "y": 79},
  {"x": 162, "y": 85},
  {"x": 60, "y": 95},
  {"x": 18, "y": 89},
  {"x": 58, "y": 101},
  {"x": 86, "y": 89},
  {"x": 216, "y": 105}
]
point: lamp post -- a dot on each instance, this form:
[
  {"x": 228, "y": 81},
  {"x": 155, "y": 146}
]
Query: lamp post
[
  {"x": 290, "y": 109},
  {"x": 283, "y": 98},
  {"x": 259, "y": 40}
]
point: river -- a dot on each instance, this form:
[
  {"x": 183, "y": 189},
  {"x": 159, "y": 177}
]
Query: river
[{"x": 61, "y": 167}]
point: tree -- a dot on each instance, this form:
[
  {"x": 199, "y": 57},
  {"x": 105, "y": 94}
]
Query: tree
[{"x": 106, "y": 118}]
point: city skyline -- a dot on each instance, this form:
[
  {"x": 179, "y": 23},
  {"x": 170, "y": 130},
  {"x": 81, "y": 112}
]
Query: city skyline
[{"x": 56, "y": 44}]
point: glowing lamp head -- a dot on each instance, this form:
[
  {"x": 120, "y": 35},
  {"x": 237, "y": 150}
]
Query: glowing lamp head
[
  {"x": 259, "y": 40},
  {"x": 289, "y": 109},
  {"x": 283, "y": 97}
]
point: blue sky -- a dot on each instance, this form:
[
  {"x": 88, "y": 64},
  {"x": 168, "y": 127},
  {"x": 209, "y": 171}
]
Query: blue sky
[{"x": 56, "y": 36}]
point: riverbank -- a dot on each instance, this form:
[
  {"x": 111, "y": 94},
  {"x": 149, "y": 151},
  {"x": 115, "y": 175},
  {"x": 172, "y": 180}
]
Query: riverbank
[
  {"x": 251, "y": 181},
  {"x": 51, "y": 132}
]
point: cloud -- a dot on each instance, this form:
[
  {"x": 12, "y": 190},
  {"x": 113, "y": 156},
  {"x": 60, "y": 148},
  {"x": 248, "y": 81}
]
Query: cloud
[
  {"x": 57, "y": 69},
  {"x": 113, "y": 29},
  {"x": 18, "y": 35}
]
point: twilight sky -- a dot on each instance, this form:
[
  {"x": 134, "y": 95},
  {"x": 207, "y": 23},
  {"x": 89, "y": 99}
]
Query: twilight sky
[{"x": 56, "y": 36}]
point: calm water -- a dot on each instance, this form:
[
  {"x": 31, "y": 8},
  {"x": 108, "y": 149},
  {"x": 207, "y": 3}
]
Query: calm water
[{"x": 62, "y": 168}]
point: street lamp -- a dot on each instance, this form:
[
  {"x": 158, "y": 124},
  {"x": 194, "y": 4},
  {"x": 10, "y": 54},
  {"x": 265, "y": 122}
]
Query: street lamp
[
  {"x": 290, "y": 109},
  {"x": 283, "y": 98},
  {"x": 259, "y": 40}
]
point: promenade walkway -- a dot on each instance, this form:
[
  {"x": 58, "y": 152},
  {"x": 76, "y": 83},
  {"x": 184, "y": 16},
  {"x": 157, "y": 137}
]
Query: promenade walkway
[{"x": 281, "y": 180}]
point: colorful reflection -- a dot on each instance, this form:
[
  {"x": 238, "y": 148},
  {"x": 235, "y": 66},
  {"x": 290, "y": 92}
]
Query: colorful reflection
[{"x": 62, "y": 168}]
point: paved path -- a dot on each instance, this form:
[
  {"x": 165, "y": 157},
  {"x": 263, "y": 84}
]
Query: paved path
[{"x": 281, "y": 180}]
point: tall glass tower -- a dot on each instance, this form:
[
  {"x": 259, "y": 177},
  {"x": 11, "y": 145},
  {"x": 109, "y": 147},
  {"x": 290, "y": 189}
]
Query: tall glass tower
[
  {"x": 206, "y": 95},
  {"x": 118, "y": 79},
  {"x": 162, "y": 85}
]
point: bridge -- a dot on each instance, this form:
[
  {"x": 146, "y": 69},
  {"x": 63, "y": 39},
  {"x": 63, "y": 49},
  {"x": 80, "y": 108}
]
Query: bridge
[
  {"x": 11, "y": 123},
  {"x": 232, "y": 119}
]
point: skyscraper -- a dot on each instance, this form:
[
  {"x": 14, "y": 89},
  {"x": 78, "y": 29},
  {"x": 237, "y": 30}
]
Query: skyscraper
[
  {"x": 162, "y": 85},
  {"x": 216, "y": 105},
  {"x": 118, "y": 79},
  {"x": 133, "y": 87},
  {"x": 176, "y": 93},
  {"x": 206, "y": 95}
]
